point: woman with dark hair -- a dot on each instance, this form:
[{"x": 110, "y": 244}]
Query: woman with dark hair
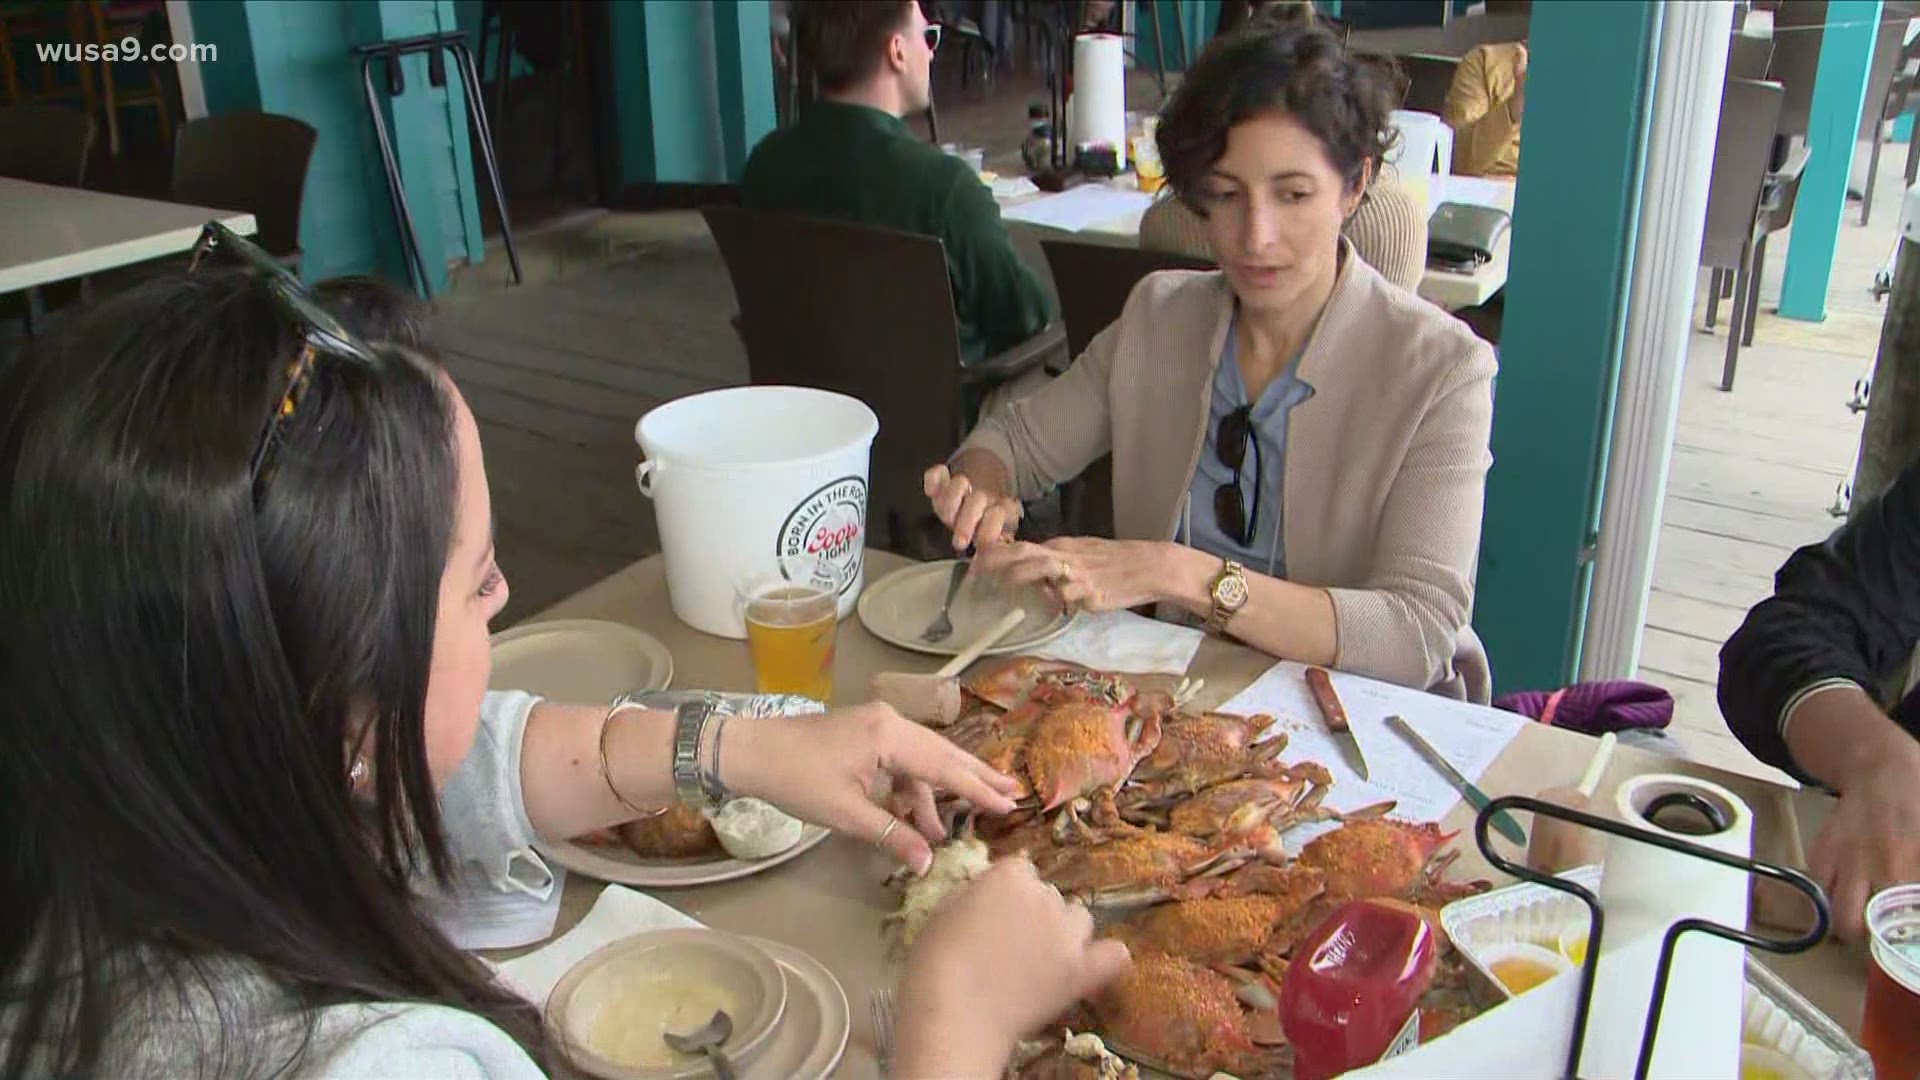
[
  {"x": 1299, "y": 448},
  {"x": 246, "y": 572}
]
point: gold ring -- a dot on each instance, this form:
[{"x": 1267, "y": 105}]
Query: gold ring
[
  {"x": 1065, "y": 571},
  {"x": 886, "y": 832}
]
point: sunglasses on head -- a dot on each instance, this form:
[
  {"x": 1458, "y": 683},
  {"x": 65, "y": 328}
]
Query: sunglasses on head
[
  {"x": 321, "y": 333},
  {"x": 932, "y": 34},
  {"x": 1230, "y": 509}
]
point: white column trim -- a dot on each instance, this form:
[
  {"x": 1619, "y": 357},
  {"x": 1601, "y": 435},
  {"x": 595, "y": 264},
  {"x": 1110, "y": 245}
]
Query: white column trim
[
  {"x": 193, "y": 93},
  {"x": 1689, "y": 70}
]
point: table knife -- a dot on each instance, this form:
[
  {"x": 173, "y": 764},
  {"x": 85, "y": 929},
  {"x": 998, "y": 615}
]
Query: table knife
[
  {"x": 1335, "y": 714},
  {"x": 1502, "y": 821}
]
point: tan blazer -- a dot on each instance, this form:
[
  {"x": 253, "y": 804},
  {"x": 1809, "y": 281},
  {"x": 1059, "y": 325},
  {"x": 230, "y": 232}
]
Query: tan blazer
[{"x": 1386, "y": 464}]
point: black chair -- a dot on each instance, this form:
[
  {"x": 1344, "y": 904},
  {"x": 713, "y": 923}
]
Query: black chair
[
  {"x": 1094, "y": 281},
  {"x": 252, "y": 161},
  {"x": 1428, "y": 79},
  {"x": 45, "y": 144},
  {"x": 867, "y": 312},
  {"x": 1749, "y": 111}
]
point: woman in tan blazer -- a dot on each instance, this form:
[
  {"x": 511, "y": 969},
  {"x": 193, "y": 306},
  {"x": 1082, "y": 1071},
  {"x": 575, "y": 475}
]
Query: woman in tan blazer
[{"x": 1299, "y": 446}]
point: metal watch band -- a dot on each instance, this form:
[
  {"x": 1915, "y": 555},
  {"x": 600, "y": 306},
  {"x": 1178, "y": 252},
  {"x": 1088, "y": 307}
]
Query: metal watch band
[
  {"x": 689, "y": 730},
  {"x": 1218, "y": 614}
]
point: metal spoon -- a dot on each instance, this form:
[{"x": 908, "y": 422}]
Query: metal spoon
[{"x": 706, "y": 1039}]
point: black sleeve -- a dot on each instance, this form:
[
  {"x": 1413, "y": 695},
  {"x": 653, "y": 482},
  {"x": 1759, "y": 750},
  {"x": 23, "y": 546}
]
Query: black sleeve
[{"x": 1848, "y": 608}]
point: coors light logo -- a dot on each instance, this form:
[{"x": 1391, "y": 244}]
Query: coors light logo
[{"x": 830, "y": 525}]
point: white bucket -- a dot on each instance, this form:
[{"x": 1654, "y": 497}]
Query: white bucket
[{"x": 744, "y": 477}]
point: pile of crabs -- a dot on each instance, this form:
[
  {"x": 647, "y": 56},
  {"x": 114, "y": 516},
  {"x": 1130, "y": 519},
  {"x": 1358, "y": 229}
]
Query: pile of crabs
[{"x": 1168, "y": 824}]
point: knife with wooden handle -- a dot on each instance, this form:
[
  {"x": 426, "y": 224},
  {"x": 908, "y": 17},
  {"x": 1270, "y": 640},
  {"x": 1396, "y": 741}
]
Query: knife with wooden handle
[{"x": 1335, "y": 714}]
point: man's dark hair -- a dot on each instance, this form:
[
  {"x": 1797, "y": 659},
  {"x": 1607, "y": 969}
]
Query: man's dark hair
[
  {"x": 1301, "y": 70},
  {"x": 841, "y": 40}
]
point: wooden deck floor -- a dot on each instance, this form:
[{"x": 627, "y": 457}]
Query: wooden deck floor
[{"x": 1754, "y": 471}]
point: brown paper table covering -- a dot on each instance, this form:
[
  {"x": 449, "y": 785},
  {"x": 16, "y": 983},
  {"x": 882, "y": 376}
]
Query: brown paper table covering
[{"x": 830, "y": 901}]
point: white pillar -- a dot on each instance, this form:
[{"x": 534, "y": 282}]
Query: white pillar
[
  {"x": 193, "y": 93},
  {"x": 1689, "y": 71}
]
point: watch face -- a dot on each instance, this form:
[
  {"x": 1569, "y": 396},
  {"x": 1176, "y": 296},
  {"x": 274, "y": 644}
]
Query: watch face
[{"x": 1230, "y": 592}]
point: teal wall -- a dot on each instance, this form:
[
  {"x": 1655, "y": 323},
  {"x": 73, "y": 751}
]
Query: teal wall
[
  {"x": 693, "y": 86},
  {"x": 294, "y": 58},
  {"x": 1839, "y": 92},
  {"x": 1201, "y": 16},
  {"x": 1575, "y": 217}
]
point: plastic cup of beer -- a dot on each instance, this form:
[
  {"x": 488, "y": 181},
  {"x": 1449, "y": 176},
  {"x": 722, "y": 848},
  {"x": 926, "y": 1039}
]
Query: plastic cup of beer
[
  {"x": 791, "y": 617},
  {"x": 1890, "y": 1033}
]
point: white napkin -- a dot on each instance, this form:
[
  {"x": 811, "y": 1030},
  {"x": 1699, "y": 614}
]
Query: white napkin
[
  {"x": 620, "y": 912},
  {"x": 1125, "y": 642}
]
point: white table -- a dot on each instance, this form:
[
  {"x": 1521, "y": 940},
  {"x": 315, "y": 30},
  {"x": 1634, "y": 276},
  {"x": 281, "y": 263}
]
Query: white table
[
  {"x": 50, "y": 234},
  {"x": 1443, "y": 288}
]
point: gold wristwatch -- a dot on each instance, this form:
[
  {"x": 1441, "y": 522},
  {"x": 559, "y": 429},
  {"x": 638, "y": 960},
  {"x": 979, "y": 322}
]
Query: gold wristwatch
[{"x": 1229, "y": 594}]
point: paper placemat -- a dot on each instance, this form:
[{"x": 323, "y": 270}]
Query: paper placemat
[{"x": 1124, "y": 642}]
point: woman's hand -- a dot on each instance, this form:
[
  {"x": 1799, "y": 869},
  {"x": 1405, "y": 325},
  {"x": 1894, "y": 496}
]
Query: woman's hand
[
  {"x": 827, "y": 769},
  {"x": 1002, "y": 957},
  {"x": 1085, "y": 573},
  {"x": 974, "y": 513}
]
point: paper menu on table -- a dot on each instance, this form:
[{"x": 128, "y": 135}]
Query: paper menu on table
[
  {"x": 1470, "y": 736},
  {"x": 1080, "y": 208}
]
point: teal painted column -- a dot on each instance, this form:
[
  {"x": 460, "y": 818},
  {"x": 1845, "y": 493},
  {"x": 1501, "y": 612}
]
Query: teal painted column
[
  {"x": 1903, "y": 128},
  {"x": 1199, "y": 19},
  {"x": 743, "y": 67},
  {"x": 1561, "y": 341},
  {"x": 1846, "y": 49}
]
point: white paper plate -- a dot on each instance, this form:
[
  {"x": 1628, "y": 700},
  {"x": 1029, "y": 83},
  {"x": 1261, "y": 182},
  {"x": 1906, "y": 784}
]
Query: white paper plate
[
  {"x": 898, "y": 608},
  {"x": 812, "y": 1036},
  {"x": 579, "y": 660},
  {"x": 617, "y": 864}
]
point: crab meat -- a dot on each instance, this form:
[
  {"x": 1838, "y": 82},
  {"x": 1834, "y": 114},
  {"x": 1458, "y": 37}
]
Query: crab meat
[
  {"x": 1171, "y": 1013},
  {"x": 955, "y": 863},
  {"x": 1387, "y": 858},
  {"x": 1074, "y": 1057}
]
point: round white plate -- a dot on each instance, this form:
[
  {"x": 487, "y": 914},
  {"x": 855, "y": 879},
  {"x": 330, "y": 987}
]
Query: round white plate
[
  {"x": 617, "y": 864},
  {"x": 898, "y": 608},
  {"x": 579, "y": 660},
  {"x": 812, "y": 1035}
]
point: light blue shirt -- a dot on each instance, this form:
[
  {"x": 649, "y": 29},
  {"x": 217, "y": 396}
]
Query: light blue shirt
[{"x": 1266, "y": 554}]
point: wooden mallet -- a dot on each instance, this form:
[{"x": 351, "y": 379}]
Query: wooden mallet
[
  {"x": 935, "y": 699},
  {"x": 1557, "y": 845}
]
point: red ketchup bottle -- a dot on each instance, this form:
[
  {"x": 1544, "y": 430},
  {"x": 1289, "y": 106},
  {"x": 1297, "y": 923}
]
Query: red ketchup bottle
[{"x": 1353, "y": 984}]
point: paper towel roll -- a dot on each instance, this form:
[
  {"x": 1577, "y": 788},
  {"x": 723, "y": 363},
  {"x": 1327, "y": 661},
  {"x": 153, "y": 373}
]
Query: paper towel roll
[
  {"x": 1099, "y": 113},
  {"x": 1646, "y": 890}
]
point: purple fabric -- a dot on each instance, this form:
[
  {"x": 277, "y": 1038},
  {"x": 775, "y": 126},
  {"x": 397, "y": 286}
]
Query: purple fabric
[{"x": 1596, "y": 707}]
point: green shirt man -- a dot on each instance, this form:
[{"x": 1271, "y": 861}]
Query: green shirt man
[{"x": 851, "y": 157}]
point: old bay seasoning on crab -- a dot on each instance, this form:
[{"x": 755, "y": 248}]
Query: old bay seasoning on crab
[{"x": 1351, "y": 996}]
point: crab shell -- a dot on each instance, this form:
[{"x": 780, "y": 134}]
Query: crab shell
[
  {"x": 1386, "y": 858},
  {"x": 1173, "y": 1014}
]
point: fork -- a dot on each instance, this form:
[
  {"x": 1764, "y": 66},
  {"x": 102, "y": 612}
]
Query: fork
[
  {"x": 942, "y": 626},
  {"x": 881, "y": 1001}
]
